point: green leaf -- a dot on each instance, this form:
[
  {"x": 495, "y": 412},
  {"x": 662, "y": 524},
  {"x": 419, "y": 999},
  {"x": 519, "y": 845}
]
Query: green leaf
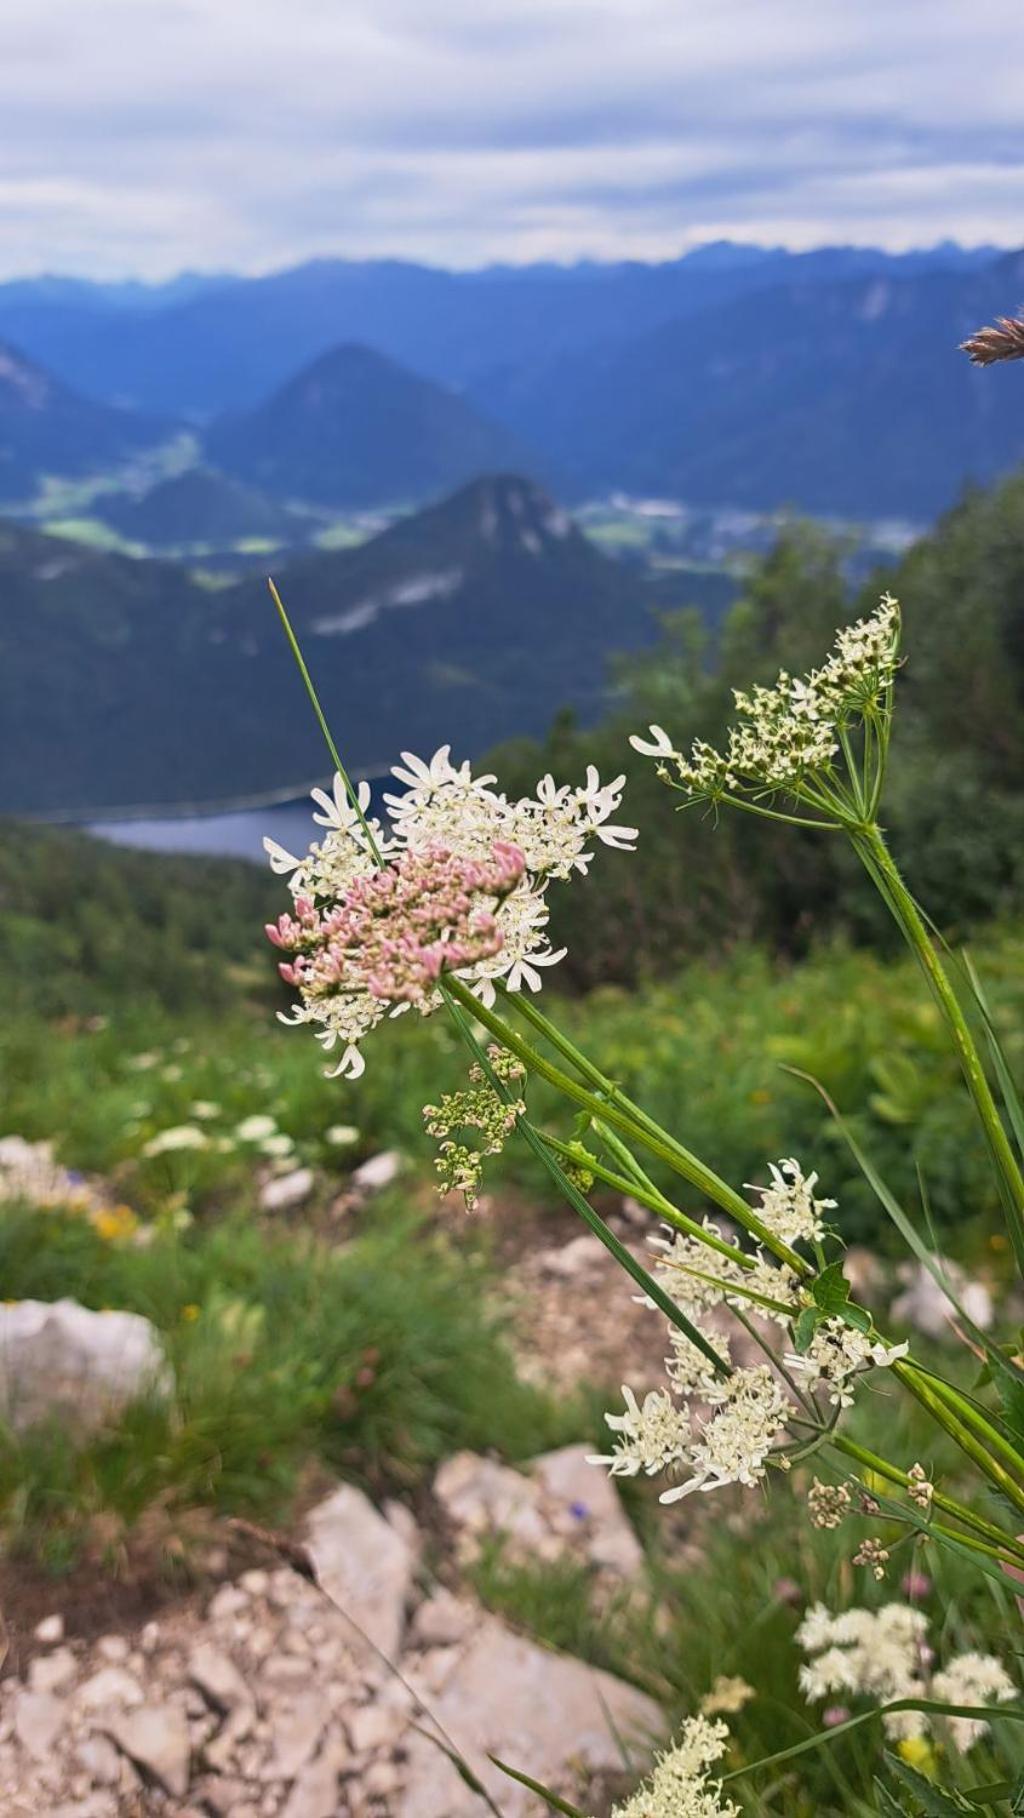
[
  {"x": 805, "y": 1326},
  {"x": 888, "y": 1805},
  {"x": 1017, "y": 1798},
  {"x": 831, "y": 1290},
  {"x": 551, "y": 1800},
  {"x": 934, "y": 1801}
]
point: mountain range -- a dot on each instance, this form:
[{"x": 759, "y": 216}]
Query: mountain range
[
  {"x": 46, "y": 428},
  {"x": 826, "y": 381},
  {"x": 355, "y": 429},
  {"x": 469, "y": 622}
]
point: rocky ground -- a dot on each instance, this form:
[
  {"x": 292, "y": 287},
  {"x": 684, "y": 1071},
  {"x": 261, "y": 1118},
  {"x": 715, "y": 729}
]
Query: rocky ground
[
  {"x": 287, "y": 1695},
  {"x": 333, "y": 1679}
]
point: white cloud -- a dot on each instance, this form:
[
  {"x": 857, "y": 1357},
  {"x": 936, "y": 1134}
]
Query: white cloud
[{"x": 147, "y": 135}]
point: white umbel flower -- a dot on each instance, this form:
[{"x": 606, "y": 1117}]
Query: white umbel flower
[
  {"x": 444, "y": 807},
  {"x": 837, "y": 1354},
  {"x": 653, "y": 1435},
  {"x": 749, "y": 1411},
  {"x": 791, "y": 730},
  {"x": 788, "y": 1206},
  {"x": 878, "y": 1654}
]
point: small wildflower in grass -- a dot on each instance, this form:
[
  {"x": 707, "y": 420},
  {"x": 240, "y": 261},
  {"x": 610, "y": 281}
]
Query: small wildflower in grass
[
  {"x": 726, "y": 1697},
  {"x": 178, "y": 1137},
  {"x": 115, "y": 1224},
  {"x": 883, "y": 1655},
  {"x": 278, "y": 1145},
  {"x": 204, "y": 1109},
  {"x": 341, "y": 1136},
  {"x": 256, "y": 1129}
]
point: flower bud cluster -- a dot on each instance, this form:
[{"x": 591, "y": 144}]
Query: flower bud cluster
[
  {"x": 792, "y": 729},
  {"x": 482, "y": 1108},
  {"x": 828, "y": 1503},
  {"x": 395, "y": 931}
]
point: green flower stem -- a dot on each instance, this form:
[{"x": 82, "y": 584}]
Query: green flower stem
[
  {"x": 1007, "y": 1544},
  {"x": 627, "y": 1117},
  {"x": 295, "y": 648},
  {"x": 874, "y": 854},
  {"x": 648, "y": 1134},
  {"x": 950, "y": 1422},
  {"x": 571, "y": 1192},
  {"x": 973, "y": 1417},
  {"x": 652, "y": 1199}
]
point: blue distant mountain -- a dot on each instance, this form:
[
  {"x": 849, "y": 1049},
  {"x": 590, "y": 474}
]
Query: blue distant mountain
[{"x": 231, "y": 342}]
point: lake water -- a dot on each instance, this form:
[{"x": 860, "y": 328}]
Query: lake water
[{"x": 238, "y": 834}]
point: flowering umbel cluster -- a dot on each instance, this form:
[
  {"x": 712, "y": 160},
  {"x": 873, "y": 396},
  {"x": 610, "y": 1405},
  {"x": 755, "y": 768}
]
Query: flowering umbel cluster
[
  {"x": 733, "y": 1420},
  {"x": 681, "y": 1785},
  {"x": 791, "y": 731},
  {"x": 884, "y": 1655},
  {"x": 456, "y": 881}
]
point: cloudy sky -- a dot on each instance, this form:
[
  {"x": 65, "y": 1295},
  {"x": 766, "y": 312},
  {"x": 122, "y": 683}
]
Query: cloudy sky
[{"x": 145, "y": 136}]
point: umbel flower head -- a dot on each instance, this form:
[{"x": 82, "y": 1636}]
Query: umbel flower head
[
  {"x": 790, "y": 734},
  {"x": 456, "y": 881}
]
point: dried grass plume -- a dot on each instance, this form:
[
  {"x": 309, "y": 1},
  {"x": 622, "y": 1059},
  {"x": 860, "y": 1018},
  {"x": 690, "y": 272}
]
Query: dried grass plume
[{"x": 1005, "y": 341}]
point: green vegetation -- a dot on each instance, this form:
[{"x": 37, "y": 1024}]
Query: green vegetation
[
  {"x": 955, "y": 806},
  {"x": 376, "y": 1358}
]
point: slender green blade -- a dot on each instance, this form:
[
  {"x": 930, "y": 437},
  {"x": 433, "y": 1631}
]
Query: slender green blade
[{"x": 551, "y": 1800}]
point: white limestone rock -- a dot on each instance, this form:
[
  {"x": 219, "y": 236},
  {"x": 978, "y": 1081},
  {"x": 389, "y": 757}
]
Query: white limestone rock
[
  {"x": 364, "y": 1565},
  {"x": 533, "y": 1708},
  {"x": 60, "y": 1360},
  {"x": 155, "y": 1737}
]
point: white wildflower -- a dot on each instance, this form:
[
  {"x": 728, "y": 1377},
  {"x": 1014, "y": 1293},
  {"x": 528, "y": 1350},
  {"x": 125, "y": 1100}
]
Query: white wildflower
[
  {"x": 204, "y": 1109},
  {"x": 837, "y": 1354},
  {"x": 443, "y": 807},
  {"x": 688, "y": 1368},
  {"x": 879, "y": 1654},
  {"x": 883, "y": 1655},
  {"x": 653, "y": 1436},
  {"x": 791, "y": 730},
  {"x": 256, "y": 1129},
  {"x": 179, "y": 1136},
  {"x": 726, "y": 1697},
  {"x": 788, "y": 1207},
  {"x": 680, "y": 1787},
  {"x": 972, "y": 1679},
  {"x": 749, "y": 1410},
  {"x": 341, "y": 1136},
  {"x": 279, "y": 1144},
  {"x": 685, "y": 1264}
]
